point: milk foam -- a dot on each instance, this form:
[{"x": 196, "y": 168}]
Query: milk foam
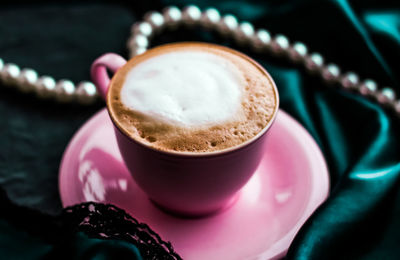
[
  {"x": 188, "y": 88},
  {"x": 191, "y": 97}
]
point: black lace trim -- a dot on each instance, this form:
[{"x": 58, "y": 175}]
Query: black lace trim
[
  {"x": 105, "y": 221},
  {"x": 94, "y": 219}
]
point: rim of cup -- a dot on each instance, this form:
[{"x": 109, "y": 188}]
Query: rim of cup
[{"x": 198, "y": 154}]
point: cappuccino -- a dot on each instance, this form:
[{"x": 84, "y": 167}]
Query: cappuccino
[{"x": 191, "y": 97}]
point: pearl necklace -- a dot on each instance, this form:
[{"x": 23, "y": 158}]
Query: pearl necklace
[{"x": 243, "y": 33}]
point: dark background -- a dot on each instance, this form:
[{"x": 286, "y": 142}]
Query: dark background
[{"x": 361, "y": 218}]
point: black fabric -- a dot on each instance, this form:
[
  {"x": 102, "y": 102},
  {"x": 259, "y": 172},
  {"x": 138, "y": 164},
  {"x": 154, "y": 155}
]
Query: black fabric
[
  {"x": 61, "y": 41},
  {"x": 84, "y": 231}
]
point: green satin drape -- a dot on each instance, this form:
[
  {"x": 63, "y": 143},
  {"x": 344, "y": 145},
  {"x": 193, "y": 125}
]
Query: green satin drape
[{"x": 359, "y": 138}]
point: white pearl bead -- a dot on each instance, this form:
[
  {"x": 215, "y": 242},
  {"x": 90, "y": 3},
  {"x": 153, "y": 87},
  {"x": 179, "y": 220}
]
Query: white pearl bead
[
  {"x": 191, "y": 14},
  {"x": 261, "y": 40},
  {"x": 244, "y": 32},
  {"x": 279, "y": 44},
  {"x": 227, "y": 24},
  {"x": 368, "y": 87},
  {"x": 349, "y": 80},
  {"x": 137, "y": 41},
  {"x": 396, "y": 106},
  {"x": 9, "y": 73},
  {"x": 386, "y": 96},
  {"x": 331, "y": 73},
  {"x": 314, "y": 62},
  {"x": 27, "y": 80},
  {"x": 64, "y": 90},
  {"x": 172, "y": 15},
  {"x": 45, "y": 86},
  {"x": 143, "y": 28},
  {"x": 86, "y": 92},
  {"x": 155, "y": 19},
  {"x": 298, "y": 51},
  {"x": 136, "y": 51},
  {"x": 210, "y": 17}
]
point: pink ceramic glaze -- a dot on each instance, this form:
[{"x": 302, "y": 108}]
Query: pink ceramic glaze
[
  {"x": 191, "y": 184},
  {"x": 99, "y": 68},
  {"x": 289, "y": 184}
]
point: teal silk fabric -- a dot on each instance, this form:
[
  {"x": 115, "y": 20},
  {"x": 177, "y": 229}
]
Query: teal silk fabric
[{"x": 359, "y": 138}]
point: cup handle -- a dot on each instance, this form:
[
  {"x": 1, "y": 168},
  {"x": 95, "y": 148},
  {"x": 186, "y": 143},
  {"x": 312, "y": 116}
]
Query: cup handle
[{"x": 98, "y": 71}]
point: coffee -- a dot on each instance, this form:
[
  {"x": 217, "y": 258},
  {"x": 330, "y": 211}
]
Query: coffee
[{"x": 191, "y": 97}]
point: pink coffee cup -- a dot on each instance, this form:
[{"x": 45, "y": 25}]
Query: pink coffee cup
[{"x": 188, "y": 184}]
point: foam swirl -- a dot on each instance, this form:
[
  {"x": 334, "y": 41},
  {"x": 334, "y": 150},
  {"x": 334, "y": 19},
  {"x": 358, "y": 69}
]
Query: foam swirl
[{"x": 189, "y": 88}]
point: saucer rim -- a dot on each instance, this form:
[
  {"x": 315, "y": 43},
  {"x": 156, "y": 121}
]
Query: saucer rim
[{"x": 319, "y": 193}]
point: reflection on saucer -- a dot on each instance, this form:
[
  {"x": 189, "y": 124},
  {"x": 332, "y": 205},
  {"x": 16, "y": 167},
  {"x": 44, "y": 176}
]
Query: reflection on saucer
[
  {"x": 282, "y": 197},
  {"x": 92, "y": 183},
  {"x": 252, "y": 190},
  {"x": 98, "y": 174}
]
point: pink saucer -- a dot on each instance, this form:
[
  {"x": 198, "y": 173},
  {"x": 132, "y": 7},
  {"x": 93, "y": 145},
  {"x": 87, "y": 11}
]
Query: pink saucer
[{"x": 262, "y": 223}]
